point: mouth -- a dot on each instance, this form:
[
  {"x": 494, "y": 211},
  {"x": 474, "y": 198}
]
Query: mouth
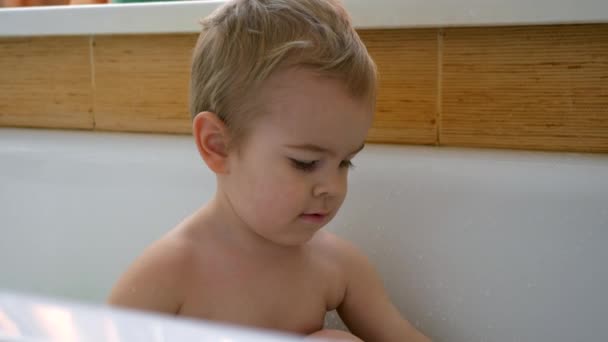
[{"x": 315, "y": 217}]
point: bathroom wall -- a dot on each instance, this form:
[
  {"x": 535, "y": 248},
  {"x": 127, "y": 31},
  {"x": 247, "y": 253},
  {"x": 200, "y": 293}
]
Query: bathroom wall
[{"x": 473, "y": 245}]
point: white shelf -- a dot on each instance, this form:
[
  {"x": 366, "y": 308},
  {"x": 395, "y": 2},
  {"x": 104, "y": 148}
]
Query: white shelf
[{"x": 184, "y": 16}]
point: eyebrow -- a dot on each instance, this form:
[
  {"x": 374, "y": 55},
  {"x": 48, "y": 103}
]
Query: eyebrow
[{"x": 319, "y": 149}]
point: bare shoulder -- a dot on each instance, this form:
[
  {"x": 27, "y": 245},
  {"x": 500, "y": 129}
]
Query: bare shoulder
[
  {"x": 157, "y": 280},
  {"x": 338, "y": 259},
  {"x": 340, "y": 250}
]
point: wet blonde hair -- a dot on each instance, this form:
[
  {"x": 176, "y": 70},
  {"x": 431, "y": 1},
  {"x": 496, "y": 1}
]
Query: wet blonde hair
[{"x": 244, "y": 41}]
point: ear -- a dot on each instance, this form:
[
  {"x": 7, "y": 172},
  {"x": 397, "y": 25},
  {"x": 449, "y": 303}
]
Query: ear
[{"x": 211, "y": 139}]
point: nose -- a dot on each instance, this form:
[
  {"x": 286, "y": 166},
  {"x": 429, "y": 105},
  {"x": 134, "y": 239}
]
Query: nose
[{"x": 333, "y": 185}]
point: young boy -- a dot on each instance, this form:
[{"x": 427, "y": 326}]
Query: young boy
[{"x": 282, "y": 95}]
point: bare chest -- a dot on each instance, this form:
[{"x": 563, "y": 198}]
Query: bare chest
[{"x": 285, "y": 295}]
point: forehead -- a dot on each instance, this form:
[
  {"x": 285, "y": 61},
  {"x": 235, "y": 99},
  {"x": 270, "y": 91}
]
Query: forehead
[{"x": 302, "y": 105}]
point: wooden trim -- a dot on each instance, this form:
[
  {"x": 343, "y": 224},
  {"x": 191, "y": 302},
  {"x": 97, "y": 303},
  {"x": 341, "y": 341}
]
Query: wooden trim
[
  {"x": 141, "y": 83},
  {"x": 526, "y": 87},
  {"x": 407, "y": 65},
  {"x": 537, "y": 87},
  {"x": 45, "y": 82}
]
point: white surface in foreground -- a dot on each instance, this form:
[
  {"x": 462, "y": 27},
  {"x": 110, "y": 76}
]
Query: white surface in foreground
[{"x": 27, "y": 318}]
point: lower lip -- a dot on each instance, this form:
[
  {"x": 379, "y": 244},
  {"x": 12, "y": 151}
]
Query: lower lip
[{"x": 313, "y": 218}]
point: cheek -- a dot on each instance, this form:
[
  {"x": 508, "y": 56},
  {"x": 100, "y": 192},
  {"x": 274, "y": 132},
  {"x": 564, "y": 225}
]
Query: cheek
[{"x": 275, "y": 194}]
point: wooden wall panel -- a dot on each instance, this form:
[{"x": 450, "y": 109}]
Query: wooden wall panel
[
  {"x": 535, "y": 87},
  {"x": 46, "y": 82},
  {"x": 407, "y": 103},
  {"x": 540, "y": 87},
  {"x": 142, "y": 81}
]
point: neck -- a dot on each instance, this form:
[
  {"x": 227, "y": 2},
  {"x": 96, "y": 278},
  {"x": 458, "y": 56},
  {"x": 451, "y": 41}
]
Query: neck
[{"x": 229, "y": 228}]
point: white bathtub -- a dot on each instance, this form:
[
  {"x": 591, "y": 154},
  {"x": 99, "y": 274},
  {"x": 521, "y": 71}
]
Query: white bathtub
[{"x": 473, "y": 245}]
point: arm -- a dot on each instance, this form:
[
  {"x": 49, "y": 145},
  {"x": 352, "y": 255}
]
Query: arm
[
  {"x": 156, "y": 280},
  {"x": 366, "y": 308}
]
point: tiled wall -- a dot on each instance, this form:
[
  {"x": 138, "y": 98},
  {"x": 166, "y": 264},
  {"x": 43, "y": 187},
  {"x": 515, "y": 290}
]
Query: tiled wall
[{"x": 533, "y": 87}]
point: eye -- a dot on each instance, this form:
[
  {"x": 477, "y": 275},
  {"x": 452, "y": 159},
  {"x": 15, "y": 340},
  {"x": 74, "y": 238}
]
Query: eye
[
  {"x": 304, "y": 165},
  {"x": 347, "y": 164}
]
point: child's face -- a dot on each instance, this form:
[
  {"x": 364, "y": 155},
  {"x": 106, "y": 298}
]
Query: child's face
[{"x": 289, "y": 177}]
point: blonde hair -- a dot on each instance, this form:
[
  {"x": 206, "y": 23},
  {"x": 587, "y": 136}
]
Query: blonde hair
[{"x": 244, "y": 41}]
